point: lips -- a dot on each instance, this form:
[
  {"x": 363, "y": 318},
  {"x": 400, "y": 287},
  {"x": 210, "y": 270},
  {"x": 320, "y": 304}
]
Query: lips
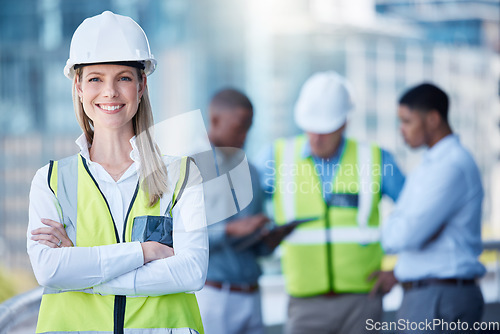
[{"x": 110, "y": 108}]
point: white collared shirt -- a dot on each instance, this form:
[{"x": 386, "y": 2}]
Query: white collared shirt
[{"x": 119, "y": 269}]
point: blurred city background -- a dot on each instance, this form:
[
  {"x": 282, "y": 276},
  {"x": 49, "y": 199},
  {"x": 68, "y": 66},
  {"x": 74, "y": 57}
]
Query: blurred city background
[{"x": 266, "y": 48}]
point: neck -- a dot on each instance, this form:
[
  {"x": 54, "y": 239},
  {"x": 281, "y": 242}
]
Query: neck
[
  {"x": 438, "y": 135},
  {"x": 111, "y": 148},
  {"x": 212, "y": 139},
  {"x": 218, "y": 143},
  {"x": 332, "y": 151}
]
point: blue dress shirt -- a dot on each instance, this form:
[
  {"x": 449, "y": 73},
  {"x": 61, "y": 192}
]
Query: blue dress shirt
[
  {"x": 392, "y": 178},
  {"x": 228, "y": 261},
  {"x": 436, "y": 225}
]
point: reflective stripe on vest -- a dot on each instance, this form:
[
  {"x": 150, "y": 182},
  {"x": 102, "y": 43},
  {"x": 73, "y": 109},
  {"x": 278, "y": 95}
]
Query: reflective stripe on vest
[
  {"x": 362, "y": 236},
  {"x": 89, "y": 222},
  {"x": 338, "y": 251}
]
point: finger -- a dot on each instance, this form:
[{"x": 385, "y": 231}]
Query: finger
[
  {"x": 48, "y": 231},
  {"x": 44, "y": 230},
  {"x": 373, "y": 275},
  {"x": 262, "y": 222},
  {"x": 49, "y": 222},
  {"x": 374, "y": 290},
  {"x": 53, "y": 239},
  {"x": 264, "y": 232},
  {"x": 48, "y": 243},
  {"x": 36, "y": 231},
  {"x": 56, "y": 232},
  {"x": 386, "y": 288},
  {"x": 388, "y": 285},
  {"x": 46, "y": 237},
  {"x": 53, "y": 223}
]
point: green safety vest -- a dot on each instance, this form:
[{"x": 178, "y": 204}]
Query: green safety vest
[
  {"x": 89, "y": 222},
  {"x": 340, "y": 248}
]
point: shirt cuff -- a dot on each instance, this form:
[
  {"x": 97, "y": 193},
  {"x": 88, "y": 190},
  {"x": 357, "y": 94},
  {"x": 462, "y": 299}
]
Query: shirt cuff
[{"x": 217, "y": 234}]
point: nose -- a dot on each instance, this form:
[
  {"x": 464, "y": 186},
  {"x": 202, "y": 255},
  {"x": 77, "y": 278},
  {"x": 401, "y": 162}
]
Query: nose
[{"x": 110, "y": 89}]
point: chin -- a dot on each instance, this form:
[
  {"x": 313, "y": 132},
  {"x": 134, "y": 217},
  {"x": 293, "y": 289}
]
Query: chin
[
  {"x": 415, "y": 146},
  {"x": 320, "y": 154}
]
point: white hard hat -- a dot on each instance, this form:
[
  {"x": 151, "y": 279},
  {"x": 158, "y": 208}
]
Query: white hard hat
[
  {"x": 109, "y": 37},
  {"x": 323, "y": 104}
]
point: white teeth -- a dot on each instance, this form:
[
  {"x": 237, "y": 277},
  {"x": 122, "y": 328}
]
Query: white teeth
[{"x": 110, "y": 108}]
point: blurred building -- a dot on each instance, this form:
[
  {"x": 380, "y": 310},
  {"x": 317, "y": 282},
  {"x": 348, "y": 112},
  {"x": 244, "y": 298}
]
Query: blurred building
[
  {"x": 459, "y": 24},
  {"x": 456, "y": 22}
]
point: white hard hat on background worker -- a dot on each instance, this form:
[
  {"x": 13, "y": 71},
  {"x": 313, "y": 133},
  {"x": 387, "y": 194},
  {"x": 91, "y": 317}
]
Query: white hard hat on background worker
[
  {"x": 107, "y": 38},
  {"x": 324, "y": 102}
]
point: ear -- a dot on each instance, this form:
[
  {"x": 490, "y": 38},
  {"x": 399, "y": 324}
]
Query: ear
[
  {"x": 342, "y": 128},
  {"x": 78, "y": 86},
  {"x": 214, "y": 120},
  {"x": 142, "y": 85},
  {"x": 433, "y": 119}
]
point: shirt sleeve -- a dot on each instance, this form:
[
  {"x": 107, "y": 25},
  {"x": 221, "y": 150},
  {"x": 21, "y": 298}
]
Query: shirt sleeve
[
  {"x": 187, "y": 269},
  {"x": 72, "y": 268},
  {"x": 261, "y": 248},
  {"x": 392, "y": 177},
  {"x": 422, "y": 211},
  {"x": 266, "y": 167},
  {"x": 217, "y": 235}
]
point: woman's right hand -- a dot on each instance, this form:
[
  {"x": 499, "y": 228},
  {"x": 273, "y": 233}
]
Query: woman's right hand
[
  {"x": 153, "y": 250},
  {"x": 54, "y": 235}
]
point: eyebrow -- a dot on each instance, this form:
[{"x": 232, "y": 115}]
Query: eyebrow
[{"x": 100, "y": 73}]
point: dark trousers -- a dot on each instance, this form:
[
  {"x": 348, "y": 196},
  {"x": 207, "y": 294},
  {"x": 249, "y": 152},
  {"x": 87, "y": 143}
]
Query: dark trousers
[
  {"x": 342, "y": 314},
  {"x": 450, "y": 308}
]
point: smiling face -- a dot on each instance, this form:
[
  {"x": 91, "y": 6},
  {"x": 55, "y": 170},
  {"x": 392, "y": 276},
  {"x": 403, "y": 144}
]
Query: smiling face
[{"x": 110, "y": 95}]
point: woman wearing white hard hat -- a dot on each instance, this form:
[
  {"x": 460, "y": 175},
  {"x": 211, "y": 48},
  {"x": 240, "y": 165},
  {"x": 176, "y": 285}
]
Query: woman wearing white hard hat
[{"x": 100, "y": 222}]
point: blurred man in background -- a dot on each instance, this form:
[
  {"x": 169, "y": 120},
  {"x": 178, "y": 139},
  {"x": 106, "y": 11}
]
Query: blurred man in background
[
  {"x": 436, "y": 226},
  {"x": 230, "y": 301},
  {"x": 328, "y": 263}
]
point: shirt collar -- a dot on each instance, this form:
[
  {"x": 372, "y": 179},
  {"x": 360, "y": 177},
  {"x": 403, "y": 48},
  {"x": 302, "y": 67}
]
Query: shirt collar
[
  {"x": 307, "y": 152},
  {"x": 441, "y": 147},
  {"x": 84, "y": 148}
]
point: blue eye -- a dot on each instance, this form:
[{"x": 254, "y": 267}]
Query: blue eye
[
  {"x": 126, "y": 79},
  {"x": 93, "y": 79}
]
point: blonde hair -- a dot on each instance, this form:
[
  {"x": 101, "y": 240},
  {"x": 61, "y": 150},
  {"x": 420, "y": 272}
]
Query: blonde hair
[{"x": 153, "y": 173}]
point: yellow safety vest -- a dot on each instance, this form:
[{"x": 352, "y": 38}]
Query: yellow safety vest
[
  {"x": 339, "y": 250},
  {"x": 89, "y": 222}
]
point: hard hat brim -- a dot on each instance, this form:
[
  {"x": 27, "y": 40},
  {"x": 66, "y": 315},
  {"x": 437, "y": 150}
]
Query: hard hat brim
[
  {"x": 309, "y": 125},
  {"x": 149, "y": 66}
]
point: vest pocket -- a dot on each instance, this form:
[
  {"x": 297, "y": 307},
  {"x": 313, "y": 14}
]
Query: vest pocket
[{"x": 153, "y": 228}]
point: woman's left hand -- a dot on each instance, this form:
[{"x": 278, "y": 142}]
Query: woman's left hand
[{"x": 54, "y": 235}]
